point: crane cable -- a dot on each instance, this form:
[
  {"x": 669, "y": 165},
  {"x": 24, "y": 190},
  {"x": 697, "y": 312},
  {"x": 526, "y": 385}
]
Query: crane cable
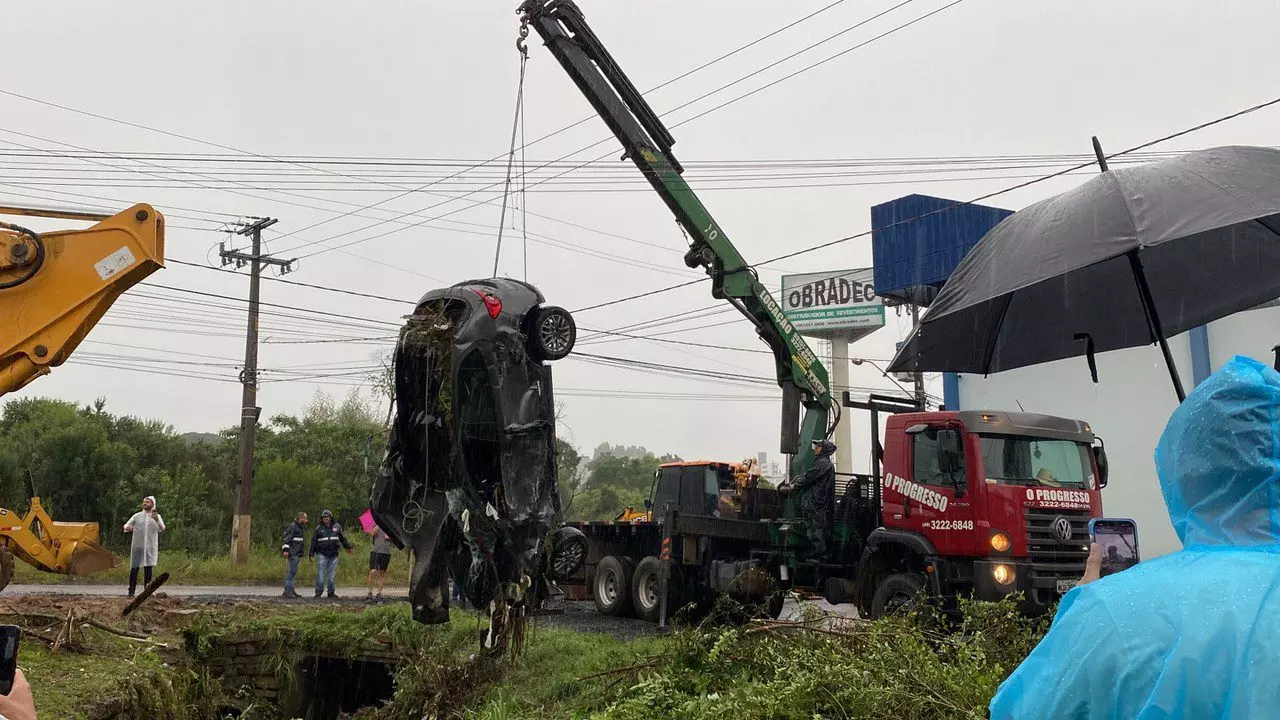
[{"x": 515, "y": 128}]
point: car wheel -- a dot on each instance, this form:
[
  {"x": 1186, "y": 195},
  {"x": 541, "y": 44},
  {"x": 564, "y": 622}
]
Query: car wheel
[
  {"x": 897, "y": 594},
  {"x": 552, "y": 333},
  {"x": 568, "y": 552},
  {"x": 611, "y": 589}
]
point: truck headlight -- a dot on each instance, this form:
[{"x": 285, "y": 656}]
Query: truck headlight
[
  {"x": 1000, "y": 542},
  {"x": 1003, "y": 574}
]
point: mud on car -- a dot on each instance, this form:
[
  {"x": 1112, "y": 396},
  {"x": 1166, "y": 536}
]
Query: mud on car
[{"x": 469, "y": 478}]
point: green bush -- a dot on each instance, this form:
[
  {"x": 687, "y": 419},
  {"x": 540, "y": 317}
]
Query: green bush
[{"x": 913, "y": 668}]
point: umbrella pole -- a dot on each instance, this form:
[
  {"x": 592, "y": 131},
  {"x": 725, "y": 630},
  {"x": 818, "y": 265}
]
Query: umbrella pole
[{"x": 1153, "y": 322}]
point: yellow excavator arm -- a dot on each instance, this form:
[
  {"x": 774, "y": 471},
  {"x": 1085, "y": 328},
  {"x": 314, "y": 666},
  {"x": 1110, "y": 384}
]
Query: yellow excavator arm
[{"x": 55, "y": 286}]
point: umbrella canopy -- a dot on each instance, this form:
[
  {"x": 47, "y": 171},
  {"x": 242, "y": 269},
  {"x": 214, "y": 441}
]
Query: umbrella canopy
[{"x": 1129, "y": 258}]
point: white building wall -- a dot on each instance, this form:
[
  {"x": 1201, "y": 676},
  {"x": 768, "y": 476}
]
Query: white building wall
[{"x": 1128, "y": 408}]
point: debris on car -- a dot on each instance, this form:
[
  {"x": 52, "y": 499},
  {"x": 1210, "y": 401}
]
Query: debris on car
[{"x": 469, "y": 478}]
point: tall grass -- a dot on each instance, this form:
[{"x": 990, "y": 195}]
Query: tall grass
[{"x": 265, "y": 567}]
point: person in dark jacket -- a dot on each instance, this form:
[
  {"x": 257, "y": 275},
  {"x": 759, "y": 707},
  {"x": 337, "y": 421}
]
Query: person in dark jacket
[
  {"x": 325, "y": 544},
  {"x": 291, "y": 547},
  {"x": 817, "y": 488}
]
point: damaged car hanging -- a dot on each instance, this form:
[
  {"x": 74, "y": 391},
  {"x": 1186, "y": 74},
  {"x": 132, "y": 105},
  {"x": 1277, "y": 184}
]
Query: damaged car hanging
[{"x": 469, "y": 478}]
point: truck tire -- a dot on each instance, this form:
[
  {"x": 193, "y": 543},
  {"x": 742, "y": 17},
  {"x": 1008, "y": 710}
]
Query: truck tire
[
  {"x": 611, "y": 587},
  {"x": 6, "y": 566},
  {"x": 897, "y": 593},
  {"x": 646, "y": 595}
]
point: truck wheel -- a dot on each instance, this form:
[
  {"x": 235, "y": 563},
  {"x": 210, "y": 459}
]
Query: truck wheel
[
  {"x": 552, "y": 333},
  {"x": 6, "y": 566},
  {"x": 646, "y": 594},
  {"x": 898, "y": 593},
  {"x": 612, "y": 587}
]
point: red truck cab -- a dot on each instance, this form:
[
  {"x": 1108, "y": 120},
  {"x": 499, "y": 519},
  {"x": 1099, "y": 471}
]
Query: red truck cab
[{"x": 997, "y": 501}]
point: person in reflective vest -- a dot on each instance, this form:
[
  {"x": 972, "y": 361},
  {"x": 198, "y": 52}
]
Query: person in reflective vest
[
  {"x": 325, "y": 544},
  {"x": 291, "y": 547}
]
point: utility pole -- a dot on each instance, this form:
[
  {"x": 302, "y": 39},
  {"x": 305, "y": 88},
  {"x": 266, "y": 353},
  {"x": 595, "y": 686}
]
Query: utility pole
[
  {"x": 249, "y": 410},
  {"x": 919, "y": 376}
]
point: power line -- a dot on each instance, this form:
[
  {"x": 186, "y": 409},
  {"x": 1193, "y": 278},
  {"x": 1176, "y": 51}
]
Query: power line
[
  {"x": 389, "y": 232},
  {"x": 948, "y": 208}
]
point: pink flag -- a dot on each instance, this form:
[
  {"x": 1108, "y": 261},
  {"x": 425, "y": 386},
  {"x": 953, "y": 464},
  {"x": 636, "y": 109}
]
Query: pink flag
[{"x": 366, "y": 521}]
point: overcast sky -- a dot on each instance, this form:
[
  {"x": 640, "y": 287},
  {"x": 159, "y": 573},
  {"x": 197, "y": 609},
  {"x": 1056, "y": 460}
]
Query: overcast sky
[{"x": 428, "y": 81}]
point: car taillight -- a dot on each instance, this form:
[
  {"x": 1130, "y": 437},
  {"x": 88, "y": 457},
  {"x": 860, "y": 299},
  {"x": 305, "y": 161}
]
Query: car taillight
[{"x": 491, "y": 303}]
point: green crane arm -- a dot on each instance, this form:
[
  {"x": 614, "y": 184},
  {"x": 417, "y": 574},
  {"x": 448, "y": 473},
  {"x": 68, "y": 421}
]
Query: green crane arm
[{"x": 647, "y": 142}]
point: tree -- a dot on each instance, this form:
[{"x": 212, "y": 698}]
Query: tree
[
  {"x": 614, "y": 482},
  {"x": 570, "y": 475},
  {"x": 282, "y": 489}
]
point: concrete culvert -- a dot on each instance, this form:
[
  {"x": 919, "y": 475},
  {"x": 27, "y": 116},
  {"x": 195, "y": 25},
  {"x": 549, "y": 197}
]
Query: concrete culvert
[{"x": 329, "y": 688}]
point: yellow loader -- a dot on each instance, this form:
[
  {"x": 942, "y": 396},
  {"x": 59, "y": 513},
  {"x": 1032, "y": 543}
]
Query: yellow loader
[
  {"x": 68, "y": 548},
  {"x": 54, "y": 287}
]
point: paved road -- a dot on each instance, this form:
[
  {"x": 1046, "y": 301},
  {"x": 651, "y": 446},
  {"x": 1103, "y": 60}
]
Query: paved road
[{"x": 191, "y": 591}]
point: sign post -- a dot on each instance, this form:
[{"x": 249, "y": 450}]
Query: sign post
[{"x": 841, "y": 307}]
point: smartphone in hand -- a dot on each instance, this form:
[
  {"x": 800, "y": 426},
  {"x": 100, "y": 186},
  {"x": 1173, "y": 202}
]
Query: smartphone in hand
[
  {"x": 9, "y": 636},
  {"x": 1118, "y": 538}
]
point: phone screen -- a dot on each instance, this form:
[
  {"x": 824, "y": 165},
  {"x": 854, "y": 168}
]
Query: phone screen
[
  {"x": 9, "y": 636},
  {"x": 1119, "y": 541}
]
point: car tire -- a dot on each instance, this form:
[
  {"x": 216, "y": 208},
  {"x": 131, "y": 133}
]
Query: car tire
[
  {"x": 611, "y": 586},
  {"x": 568, "y": 552},
  {"x": 898, "y": 593},
  {"x": 552, "y": 333}
]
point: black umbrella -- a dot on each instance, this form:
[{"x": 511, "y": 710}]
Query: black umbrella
[{"x": 1129, "y": 258}]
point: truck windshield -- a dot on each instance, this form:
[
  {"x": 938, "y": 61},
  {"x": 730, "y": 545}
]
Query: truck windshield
[{"x": 1021, "y": 460}]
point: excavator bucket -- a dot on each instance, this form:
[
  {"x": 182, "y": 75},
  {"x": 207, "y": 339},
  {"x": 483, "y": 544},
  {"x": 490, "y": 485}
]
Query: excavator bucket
[
  {"x": 88, "y": 557},
  {"x": 78, "y": 550}
]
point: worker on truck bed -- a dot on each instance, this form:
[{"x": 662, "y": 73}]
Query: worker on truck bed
[
  {"x": 1193, "y": 634},
  {"x": 326, "y": 543},
  {"x": 817, "y": 488}
]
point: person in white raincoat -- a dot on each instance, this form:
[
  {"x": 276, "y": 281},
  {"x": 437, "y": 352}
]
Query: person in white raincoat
[{"x": 146, "y": 527}]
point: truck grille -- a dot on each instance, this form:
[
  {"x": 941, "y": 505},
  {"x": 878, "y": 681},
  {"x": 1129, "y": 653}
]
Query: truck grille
[{"x": 1053, "y": 559}]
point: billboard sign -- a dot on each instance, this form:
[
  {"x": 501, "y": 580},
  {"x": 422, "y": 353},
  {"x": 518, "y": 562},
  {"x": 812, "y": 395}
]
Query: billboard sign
[{"x": 830, "y": 304}]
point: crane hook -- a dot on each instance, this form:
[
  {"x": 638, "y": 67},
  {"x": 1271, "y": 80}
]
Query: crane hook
[{"x": 524, "y": 33}]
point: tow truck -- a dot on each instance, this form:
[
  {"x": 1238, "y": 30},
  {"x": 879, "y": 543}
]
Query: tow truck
[
  {"x": 54, "y": 288},
  {"x": 957, "y": 503}
]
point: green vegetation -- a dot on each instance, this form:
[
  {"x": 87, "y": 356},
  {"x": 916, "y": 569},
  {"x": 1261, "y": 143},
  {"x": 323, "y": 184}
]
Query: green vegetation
[
  {"x": 916, "y": 668},
  {"x": 105, "y": 670},
  {"x": 265, "y": 567},
  {"x": 616, "y": 477},
  {"x": 89, "y": 465},
  {"x": 913, "y": 668}
]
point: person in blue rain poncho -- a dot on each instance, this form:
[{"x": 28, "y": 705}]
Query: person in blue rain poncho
[{"x": 1195, "y": 634}]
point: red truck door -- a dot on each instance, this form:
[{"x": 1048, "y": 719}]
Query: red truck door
[{"x": 919, "y": 497}]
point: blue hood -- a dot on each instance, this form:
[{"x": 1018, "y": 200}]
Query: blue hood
[{"x": 1219, "y": 459}]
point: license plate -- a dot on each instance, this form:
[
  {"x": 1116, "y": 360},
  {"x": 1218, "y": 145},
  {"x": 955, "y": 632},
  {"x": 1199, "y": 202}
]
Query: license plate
[{"x": 1065, "y": 585}]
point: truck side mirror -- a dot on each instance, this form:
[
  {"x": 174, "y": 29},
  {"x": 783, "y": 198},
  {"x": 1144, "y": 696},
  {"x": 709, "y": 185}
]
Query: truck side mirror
[
  {"x": 949, "y": 457},
  {"x": 948, "y": 451},
  {"x": 1100, "y": 457}
]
